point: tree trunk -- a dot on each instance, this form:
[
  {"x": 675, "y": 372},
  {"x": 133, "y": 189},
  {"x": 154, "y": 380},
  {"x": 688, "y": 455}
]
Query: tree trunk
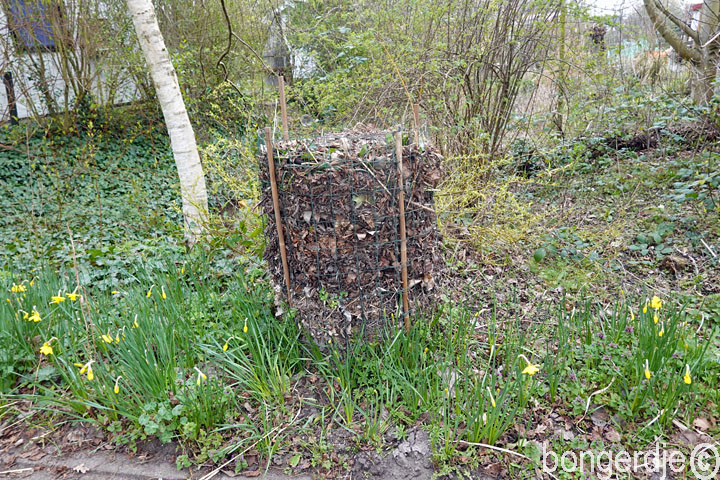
[
  {"x": 705, "y": 70},
  {"x": 702, "y": 82},
  {"x": 182, "y": 137},
  {"x": 704, "y": 51}
]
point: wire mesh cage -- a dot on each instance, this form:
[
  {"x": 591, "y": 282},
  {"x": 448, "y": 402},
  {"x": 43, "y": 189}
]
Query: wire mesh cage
[{"x": 338, "y": 197}]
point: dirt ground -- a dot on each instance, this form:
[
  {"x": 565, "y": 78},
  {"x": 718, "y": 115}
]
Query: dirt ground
[{"x": 80, "y": 452}]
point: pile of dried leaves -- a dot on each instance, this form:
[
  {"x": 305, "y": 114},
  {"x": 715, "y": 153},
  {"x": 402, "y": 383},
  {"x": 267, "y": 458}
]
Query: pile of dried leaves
[{"x": 339, "y": 204}]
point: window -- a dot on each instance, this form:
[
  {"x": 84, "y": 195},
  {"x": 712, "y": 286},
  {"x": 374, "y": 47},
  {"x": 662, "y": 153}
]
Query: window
[{"x": 31, "y": 23}]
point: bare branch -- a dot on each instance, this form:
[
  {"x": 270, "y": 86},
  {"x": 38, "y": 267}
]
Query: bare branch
[
  {"x": 660, "y": 22},
  {"x": 681, "y": 25},
  {"x": 231, "y": 34}
]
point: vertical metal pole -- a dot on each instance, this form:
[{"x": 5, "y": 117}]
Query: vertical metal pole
[
  {"x": 403, "y": 232},
  {"x": 276, "y": 208},
  {"x": 283, "y": 108}
]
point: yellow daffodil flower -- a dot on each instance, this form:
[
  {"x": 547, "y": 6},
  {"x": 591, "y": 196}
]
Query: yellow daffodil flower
[
  {"x": 225, "y": 347},
  {"x": 648, "y": 373},
  {"x": 86, "y": 369},
  {"x": 107, "y": 338},
  {"x": 115, "y": 292},
  {"x": 135, "y": 322},
  {"x": 34, "y": 316},
  {"x": 492, "y": 399},
  {"x": 662, "y": 329},
  {"x": 149, "y": 292},
  {"x": 655, "y": 317},
  {"x": 18, "y": 288},
  {"x": 162, "y": 292},
  {"x": 656, "y": 303},
  {"x": 531, "y": 368},
  {"x": 645, "y": 308},
  {"x": 46, "y": 348},
  {"x": 116, "y": 389},
  {"x": 632, "y": 316},
  {"x": 73, "y": 296},
  {"x": 201, "y": 376},
  {"x": 57, "y": 298},
  {"x": 32, "y": 282},
  {"x": 687, "y": 379},
  {"x": 245, "y": 329}
]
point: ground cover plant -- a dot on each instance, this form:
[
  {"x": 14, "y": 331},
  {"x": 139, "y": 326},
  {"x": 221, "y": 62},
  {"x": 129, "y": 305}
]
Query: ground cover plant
[{"x": 575, "y": 306}]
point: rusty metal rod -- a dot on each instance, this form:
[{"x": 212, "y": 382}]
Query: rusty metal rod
[
  {"x": 276, "y": 208},
  {"x": 403, "y": 231}
]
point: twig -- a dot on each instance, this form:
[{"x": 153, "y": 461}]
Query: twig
[
  {"x": 587, "y": 403},
  {"x": 19, "y": 470},
  {"x": 717, "y": 35},
  {"x": 502, "y": 450},
  {"x": 424, "y": 207},
  {"x": 708, "y": 248}
]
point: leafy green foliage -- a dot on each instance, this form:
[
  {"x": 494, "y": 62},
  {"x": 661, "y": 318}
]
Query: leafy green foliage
[{"x": 92, "y": 201}]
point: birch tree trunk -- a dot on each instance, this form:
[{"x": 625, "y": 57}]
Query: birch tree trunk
[{"x": 182, "y": 137}]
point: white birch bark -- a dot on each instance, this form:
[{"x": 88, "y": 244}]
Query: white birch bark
[{"x": 182, "y": 137}]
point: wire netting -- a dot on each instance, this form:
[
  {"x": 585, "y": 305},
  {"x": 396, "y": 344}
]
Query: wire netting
[{"x": 338, "y": 197}]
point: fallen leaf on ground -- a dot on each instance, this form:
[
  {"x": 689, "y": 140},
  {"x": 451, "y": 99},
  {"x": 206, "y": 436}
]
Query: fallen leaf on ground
[
  {"x": 612, "y": 435},
  {"x": 702, "y": 424}
]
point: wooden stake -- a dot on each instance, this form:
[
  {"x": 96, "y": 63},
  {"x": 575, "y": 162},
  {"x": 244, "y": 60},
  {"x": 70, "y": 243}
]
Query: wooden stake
[
  {"x": 276, "y": 208},
  {"x": 403, "y": 232},
  {"x": 283, "y": 108},
  {"x": 416, "y": 120}
]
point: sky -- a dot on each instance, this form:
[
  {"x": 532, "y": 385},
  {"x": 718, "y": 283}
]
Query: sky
[{"x": 608, "y": 6}]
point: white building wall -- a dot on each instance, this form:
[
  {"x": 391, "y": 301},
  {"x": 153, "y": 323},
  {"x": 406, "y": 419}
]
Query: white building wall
[{"x": 28, "y": 92}]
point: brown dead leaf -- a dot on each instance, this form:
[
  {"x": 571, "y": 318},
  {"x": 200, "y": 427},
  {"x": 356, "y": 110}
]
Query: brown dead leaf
[
  {"x": 612, "y": 435},
  {"x": 493, "y": 469},
  {"x": 600, "y": 417},
  {"x": 702, "y": 424}
]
